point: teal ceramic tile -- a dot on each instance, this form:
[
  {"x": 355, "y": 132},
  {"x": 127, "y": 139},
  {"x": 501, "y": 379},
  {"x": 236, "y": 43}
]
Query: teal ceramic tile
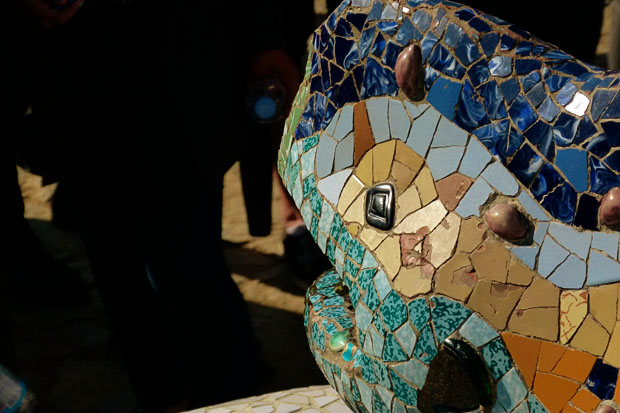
[
  {"x": 444, "y": 161},
  {"x": 369, "y": 260},
  {"x": 393, "y": 311},
  {"x": 419, "y": 313},
  {"x": 365, "y": 278},
  {"x": 378, "y": 115},
  {"x": 407, "y": 338},
  {"x": 297, "y": 192},
  {"x": 351, "y": 267},
  {"x": 607, "y": 243},
  {"x": 522, "y": 408},
  {"x": 392, "y": 350},
  {"x": 381, "y": 371},
  {"x": 325, "y": 156},
  {"x": 345, "y": 123},
  {"x": 327, "y": 215},
  {"x": 532, "y": 207},
  {"x": 343, "y": 157},
  {"x": 363, "y": 317},
  {"x": 448, "y": 134},
  {"x": 422, "y": 131},
  {"x": 404, "y": 391},
  {"x": 477, "y": 331},
  {"x": 309, "y": 185},
  {"x": 535, "y": 405},
  {"x": 577, "y": 242},
  {"x": 447, "y": 316},
  {"x": 413, "y": 371},
  {"x": 330, "y": 251},
  {"x": 322, "y": 242},
  {"x": 382, "y": 284},
  {"x": 399, "y": 120},
  {"x": 356, "y": 251},
  {"x": 425, "y": 349},
  {"x": 477, "y": 195},
  {"x": 354, "y": 293},
  {"x": 344, "y": 239},
  {"x": 497, "y": 358},
  {"x": 378, "y": 323},
  {"x": 316, "y": 202},
  {"x": 365, "y": 393},
  {"x": 336, "y": 227},
  {"x": 294, "y": 154},
  {"x": 571, "y": 274},
  {"x": 510, "y": 390},
  {"x": 310, "y": 142},
  {"x": 386, "y": 396},
  {"x": 306, "y": 212},
  {"x": 307, "y": 163},
  {"x": 398, "y": 407},
  {"x": 339, "y": 256},
  {"x": 378, "y": 405},
  {"x": 498, "y": 176},
  {"x": 551, "y": 255}
]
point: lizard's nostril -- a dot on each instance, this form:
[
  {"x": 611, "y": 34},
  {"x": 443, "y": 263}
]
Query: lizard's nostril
[{"x": 380, "y": 206}]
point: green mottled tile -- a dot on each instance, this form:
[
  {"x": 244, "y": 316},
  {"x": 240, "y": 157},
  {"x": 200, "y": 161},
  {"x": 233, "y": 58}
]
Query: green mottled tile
[
  {"x": 351, "y": 267},
  {"x": 306, "y": 213},
  {"x": 309, "y": 185},
  {"x": 331, "y": 250},
  {"x": 392, "y": 351},
  {"x": 535, "y": 405},
  {"x": 310, "y": 142},
  {"x": 378, "y": 323},
  {"x": 371, "y": 298},
  {"x": 356, "y": 251},
  {"x": 381, "y": 371},
  {"x": 497, "y": 358},
  {"x": 365, "y": 278},
  {"x": 403, "y": 391},
  {"x": 327, "y": 215},
  {"x": 345, "y": 238},
  {"x": 314, "y": 228},
  {"x": 394, "y": 311},
  {"x": 307, "y": 163},
  {"x": 448, "y": 315},
  {"x": 419, "y": 312},
  {"x": 354, "y": 294},
  {"x": 336, "y": 226},
  {"x": 378, "y": 406},
  {"x": 425, "y": 349},
  {"x": 297, "y": 193},
  {"x": 368, "y": 373},
  {"x": 317, "y": 202}
]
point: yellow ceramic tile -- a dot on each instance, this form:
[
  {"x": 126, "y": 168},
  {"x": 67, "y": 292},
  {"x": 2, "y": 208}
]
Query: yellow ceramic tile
[
  {"x": 573, "y": 310},
  {"x": 603, "y": 302},
  {"x": 354, "y": 229},
  {"x": 491, "y": 261},
  {"x": 495, "y": 301},
  {"x": 388, "y": 254},
  {"x": 519, "y": 273},
  {"x": 537, "y": 322},
  {"x": 402, "y": 175},
  {"x": 364, "y": 169},
  {"x": 541, "y": 293},
  {"x": 443, "y": 239},
  {"x": 473, "y": 233},
  {"x": 356, "y": 212},
  {"x": 612, "y": 355},
  {"x": 456, "y": 278},
  {"x": 351, "y": 190},
  {"x": 412, "y": 282},
  {"x": 430, "y": 216},
  {"x": 372, "y": 237},
  {"x": 408, "y": 157},
  {"x": 382, "y": 157},
  {"x": 426, "y": 186},
  {"x": 591, "y": 337},
  {"x": 406, "y": 203}
]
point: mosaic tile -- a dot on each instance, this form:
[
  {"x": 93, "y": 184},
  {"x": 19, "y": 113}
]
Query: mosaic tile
[
  {"x": 382, "y": 161},
  {"x": 602, "y": 270},
  {"x": 500, "y": 179},
  {"x": 570, "y": 274},
  {"x": 430, "y": 216},
  {"x": 477, "y": 332},
  {"x": 491, "y": 262},
  {"x": 393, "y": 311},
  {"x": 602, "y": 380},
  {"x": 553, "y": 391},
  {"x": 407, "y": 338},
  {"x": 494, "y": 301},
  {"x": 325, "y": 156},
  {"x": 389, "y": 254},
  {"x": 612, "y": 354},
  {"x": 425, "y": 349},
  {"x": 412, "y": 282},
  {"x": 343, "y": 157},
  {"x": 551, "y": 255},
  {"x": 477, "y": 195},
  {"x": 524, "y": 351},
  {"x": 591, "y": 337},
  {"x": 603, "y": 302},
  {"x": 497, "y": 358},
  {"x": 444, "y": 161},
  {"x": 537, "y": 322},
  {"x": 573, "y": 310},
  {"x": 510, "y": 390},
  {"x": 425, "y": 185},
  {"x": 399, "y": 120},
  {"x": 422, "y": 131}
]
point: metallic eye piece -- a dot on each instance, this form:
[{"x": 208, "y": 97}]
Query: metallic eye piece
[{"x": 380, "y": 206}]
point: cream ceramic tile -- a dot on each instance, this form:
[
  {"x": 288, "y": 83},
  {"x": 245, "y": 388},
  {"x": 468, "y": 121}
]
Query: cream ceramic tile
[
  {"x": 364, "y": 169},
  {"x": 491, "y": 261},
  {"x": 408, "y": 157},
  {"x": 356, "y": 212},
  {"x": 430, "y": 216},
  {"x": 612, "y": 355},
  {"x": 541, "y": 293},
  {"x": 537, "y": 322},
  {"x": 495, "y": 301},
  {"x": 573, "y": 310},
  {"x": 402, "y": 175},
  {"x": 388, "y": 254},
  {"x": 426, "y": 186},
  {"x": 519, "y": 273},
  {"x": 351, "y": 190},
  {"x": 591, "y": 337},
  {"x": 443, "y": 239},
  {"x": 456, "y": 278},
  {"x": 383, "y": 155},
  {"x": 406, "y": 203},
  {"x": 372, "y": 237},
  {"x": 603, "y": 302},
  {"x": 412, "y": 282},
  {"x": 472, "y": 234}
]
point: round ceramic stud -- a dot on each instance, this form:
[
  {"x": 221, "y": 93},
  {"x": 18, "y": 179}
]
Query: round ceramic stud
[
  {"x": 408, "y": 71},
  {"x": 339, "y": 340},
  {"x": 609, "y": 212},
  {"x": 506, "y": 221},
  {"x": 603, "y": 408}
]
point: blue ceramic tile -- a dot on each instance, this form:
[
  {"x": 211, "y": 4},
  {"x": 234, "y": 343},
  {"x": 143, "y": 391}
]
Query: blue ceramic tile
[
  {"x": 602, "y": 179},
  {"x": 444, "y": 61},
  {"x": 448, "y": 134},
  {"x": 388, "y": 27},
  {"x": 501, "y": 66},
  {"x": 363, "y": 317},
  {"x": 511, "y": 390},
  {"x": 600, "y": 100},
  {"x": 443, "y": 161},
  {"x": 489, "y": 43},
  {"x": 506, "y": 42},
  {"x": 577, "y": 242},
  {"x": 546, "y": 181},
  {"x": 599, "y": 145},
  {"x": 556, "y": 82},
  {"x": 493, "y": 100},
  {"x": 566, "y": 93},
  {"x": 470, "y": 112},
  {"x": 415, "y": 110},
  {"x": 430, "y": 75},
  {"x": 613, "y": 110},
  {"x": 477, "y": 195},
  {"x": 497, "y": 175},
  {"x": 357, "y": 19},
  {"x": 479, "y": 73},
  {"x": 465, "y": 14},
  {"x": 522, "y": 113},
  {"x": 510, "y": 89},
  {"x": 389, "y": 13},
  {"x": 548, "y": 110},
  {"x": 525, "y": 165},
  {"x": 331, "y": 187},
  {"x": 527, "y": 255},
  {"x": 497, "y": 358},
  {"x": 523, "y": 48},
  {"x": 375, "y": 12},
  {"x": 428, "y": 43},
  {"x": 551, "y": 255},
  {"x": 602, "y": 380},
  {"x": 574, "y": 164},
  {"x": 541, "y": 135},
  {"x": 378, "y": 116},
  {"x": 406, "y": 337},
  {"x": 475, "y": 160},
  {"x": 391, "y": 54},
  {"x": 382, "y": 284},
  {"x": 399, "y": 120},
  {"x": 479, "y": 25},
  {"x": 561, "y": 203},
  {"x": 422, "y": 20},
  {"x": 413, "y": 371},
  {"x": 467, "y": 51},
  {"x": 393, "y": 311},
  {"x": 347, "y": 93},
  {"x": 571, "y": 274},
  {"x": 602, "y": 270},
  {"x": 527, "y": 82},
  {"x": 495, "y": 137},
  {"x": 403, "y": 391},
  {"x": 419, "y": 313},
  {"x": 345, "y": 123},
  {"x": 453, "y": 34},
  {"x": 422, "y": 131},
  {"x": 366, "y": 41},
  {"x": 447, "y": 316},
  {"x": 537, "y": 94},
  {"x": 565, "y": 129},
  {"x": 444, "y": 95},
  {"x": 540, "y": 232},
  {"x": 407, "y": 32},
  {"x": 343, "y": 157},
  {"x": 607, "y": 243},
  {"x": 378, "y": 80},
  {"x": 425, "y": 349},
  {"x": 525, "y": 66},
  {"x": 477, "y": 331},
  {"x": 571, "y": 68}
]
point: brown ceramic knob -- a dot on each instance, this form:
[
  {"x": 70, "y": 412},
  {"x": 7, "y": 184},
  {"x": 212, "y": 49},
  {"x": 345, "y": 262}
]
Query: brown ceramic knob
[
  {"x": 408, "y": 71},
  {"x": 609, "y": 212},
  {"x": 605, "y": 409},
  {"x": 506, "y": 221}
]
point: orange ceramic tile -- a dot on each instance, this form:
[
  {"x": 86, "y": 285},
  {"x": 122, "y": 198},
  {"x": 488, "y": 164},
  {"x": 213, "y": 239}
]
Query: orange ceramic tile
[
  {"x": 570, "y": 409},
  {"x": 363, "y": 135},
  {"x": 617, "y": 393},
  {"x": 554, "y": 391},
  {"x": 575, "y": 365},
  {"x": 524, "y": 352},
  {"x": 586, "y": 400},
  {"x": 550, "y": 354}
]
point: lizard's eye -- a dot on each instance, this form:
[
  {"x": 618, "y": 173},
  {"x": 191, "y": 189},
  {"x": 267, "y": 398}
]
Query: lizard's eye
[{"x": 380, "y": 206}]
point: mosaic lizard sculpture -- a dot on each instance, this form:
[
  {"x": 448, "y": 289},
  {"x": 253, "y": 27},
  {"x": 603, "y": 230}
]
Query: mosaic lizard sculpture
[{"x": 463, "y": 177}]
